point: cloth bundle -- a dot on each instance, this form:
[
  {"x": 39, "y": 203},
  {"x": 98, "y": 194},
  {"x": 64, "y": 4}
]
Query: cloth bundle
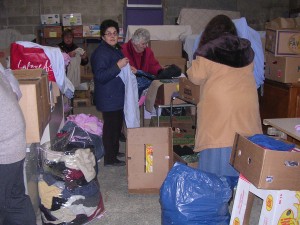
[
  {"x": 68, "y": 185},
  {"x": 169, "y": 72}
]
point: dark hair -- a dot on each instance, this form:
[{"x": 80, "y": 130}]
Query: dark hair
[
  {"x": 67, "y": 32},
  {"x": 216, "y": 27},
  {"x": 106, "y": 24}
]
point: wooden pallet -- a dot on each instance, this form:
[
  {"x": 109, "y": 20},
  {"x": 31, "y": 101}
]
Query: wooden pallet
[{"x": 77, "y": 102}]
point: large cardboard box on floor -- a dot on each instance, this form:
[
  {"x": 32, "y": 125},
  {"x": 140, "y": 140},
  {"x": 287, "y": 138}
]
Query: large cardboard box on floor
[
  {"x": 279, "y": 207},
  {"x": 149, "y": 158},
  {"x": 189, "y": 91},
  {"x": 282, "y": 69},
  {"x": 35, "y": 103},
  {"x": 264, "y": 168}
]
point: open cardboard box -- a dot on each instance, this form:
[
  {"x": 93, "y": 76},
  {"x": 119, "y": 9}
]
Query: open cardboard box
[
  {"x": 279, "y": 206},
  {"x": 35, "y": 102},
  {"x": 189, "y": 91},
  {"x": 146, "y": 172},
  {"x": 264, "y": 168}
]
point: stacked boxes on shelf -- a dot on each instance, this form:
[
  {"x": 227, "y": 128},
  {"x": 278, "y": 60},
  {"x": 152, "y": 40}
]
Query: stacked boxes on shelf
[
  {"x": 73, "y": 21},
  {"x": 283, "y": 50},
  {"x": 51, "y": 26}
]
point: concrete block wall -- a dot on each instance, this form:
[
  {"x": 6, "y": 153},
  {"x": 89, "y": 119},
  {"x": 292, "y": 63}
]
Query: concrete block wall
[
  {"x": 257, "y": 12},
  {"x": 24, "y": 15}
]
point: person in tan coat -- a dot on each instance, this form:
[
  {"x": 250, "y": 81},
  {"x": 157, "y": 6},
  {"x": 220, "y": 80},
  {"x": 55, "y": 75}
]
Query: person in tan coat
[{"x": 223, "y": 67}]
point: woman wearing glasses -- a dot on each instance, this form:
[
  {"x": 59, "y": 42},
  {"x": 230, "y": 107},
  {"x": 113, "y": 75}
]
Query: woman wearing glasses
[{"x": 107, "y": 61}]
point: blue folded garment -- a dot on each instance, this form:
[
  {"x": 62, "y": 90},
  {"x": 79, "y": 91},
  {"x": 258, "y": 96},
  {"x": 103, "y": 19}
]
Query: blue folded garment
[{"x": 270, "y": 143}]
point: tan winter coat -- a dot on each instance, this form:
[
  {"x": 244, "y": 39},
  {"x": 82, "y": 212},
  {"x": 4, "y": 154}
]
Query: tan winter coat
[{"x": 228, "y": 103}]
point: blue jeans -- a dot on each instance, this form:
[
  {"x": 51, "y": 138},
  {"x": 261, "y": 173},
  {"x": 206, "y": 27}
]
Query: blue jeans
[{"x": 216, "y": 160}]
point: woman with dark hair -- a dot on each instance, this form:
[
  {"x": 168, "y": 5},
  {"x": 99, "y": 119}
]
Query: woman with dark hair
[
  {"x": 68, "y": 46},
  {"x": 107, "y": 61},
  {"x": 216, "y": 27},
  {"x": 223, "y": 67}
]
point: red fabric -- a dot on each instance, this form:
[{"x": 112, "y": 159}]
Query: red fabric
[
  {"x": 29, "y": 58},
  {"x": 142, "y": 61}
]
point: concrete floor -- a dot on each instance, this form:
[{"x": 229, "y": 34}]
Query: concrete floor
[{"x": 122, "y": 208}]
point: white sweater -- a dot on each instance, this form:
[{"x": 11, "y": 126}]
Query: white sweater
[{"x": 12, "y": 126}]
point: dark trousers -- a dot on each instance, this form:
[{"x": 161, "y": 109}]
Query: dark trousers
[
  {"x": 112, "y": 127},
  {"x": 15, "y": 206}
]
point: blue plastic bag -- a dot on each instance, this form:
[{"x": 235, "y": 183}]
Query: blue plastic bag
[{"x": 192, "y": 197}]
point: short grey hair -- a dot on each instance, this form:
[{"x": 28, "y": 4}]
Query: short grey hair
[{"x": 139, "y": 35}]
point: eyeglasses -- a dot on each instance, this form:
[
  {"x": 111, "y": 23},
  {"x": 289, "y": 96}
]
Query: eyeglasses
[
  {"x": 111, "y": 34},
  {"x": 143, "y": 44}
]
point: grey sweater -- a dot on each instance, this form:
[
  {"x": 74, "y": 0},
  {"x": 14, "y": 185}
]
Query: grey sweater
[{"x": 12, "y": 126}]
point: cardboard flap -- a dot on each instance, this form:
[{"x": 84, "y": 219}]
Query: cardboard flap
[
  {"x": 283, "y": 23},
  {"x": 31, "y": 74},
  {"x": 151, "y": 95}
]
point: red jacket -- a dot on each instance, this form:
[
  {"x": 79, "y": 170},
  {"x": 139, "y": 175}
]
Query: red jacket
[{"x": 144, "y": 61}]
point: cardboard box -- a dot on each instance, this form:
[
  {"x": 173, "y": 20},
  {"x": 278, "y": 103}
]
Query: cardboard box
[
  {"x": 177, "y": 158},
  {"x": 178, "y": 61},
  {"x": 279, "y": 207},
  {"x": 35, "y": 103},
  {"x": 282, "y": 69},
  {"x": 283, "y": 42},
  {"x": 50, "y": 19},
  {"x": 4, "y": 57},
  {"x": 183, "y": 128},
  {"x": 77, "y": 30},
  {"x": 189, "y": 91},
  {"x": 92, "y": 30},
  {"x": 165, "y": 91},
  {"x": 264, "y": 168},
  {"x": 172, "y": 48},
  {"x": 140, "y": 179},
  {"x": 71, "y": 19},
  {"x": 52, "y": 31}
]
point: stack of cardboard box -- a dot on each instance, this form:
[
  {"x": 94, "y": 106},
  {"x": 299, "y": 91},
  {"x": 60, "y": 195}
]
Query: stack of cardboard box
[
  {"x": 283, "y": 50},
  {"x": 271, "y": 175}
]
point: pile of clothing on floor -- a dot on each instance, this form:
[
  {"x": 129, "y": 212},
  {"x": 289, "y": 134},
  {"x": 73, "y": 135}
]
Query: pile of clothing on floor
[{"x": 68, "y": 187}]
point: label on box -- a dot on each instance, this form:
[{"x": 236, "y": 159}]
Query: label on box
[
  {"x": 148, "y": 158},
  {"x": 294, "y": 43},
  {"x": 52, "y": 34},
  {"x": 71, "y": 19},
  {"x": 50, "y": 19}
]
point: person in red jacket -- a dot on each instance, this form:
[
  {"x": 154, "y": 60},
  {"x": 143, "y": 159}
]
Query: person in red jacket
[{"x": 140, "y": 56}]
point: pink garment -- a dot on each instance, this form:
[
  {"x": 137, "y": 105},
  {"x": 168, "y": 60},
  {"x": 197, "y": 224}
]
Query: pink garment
[
  {"x": 142, "y": 100},
  {"x": 87, "y": 122},
  {"x": 67, "y": 58}
]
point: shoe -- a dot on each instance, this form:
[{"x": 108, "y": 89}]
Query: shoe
[
  {"x": 122, "y": 138},
  {"x": 121, "y": 154},
  {"x": 116, "y": 163}
]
